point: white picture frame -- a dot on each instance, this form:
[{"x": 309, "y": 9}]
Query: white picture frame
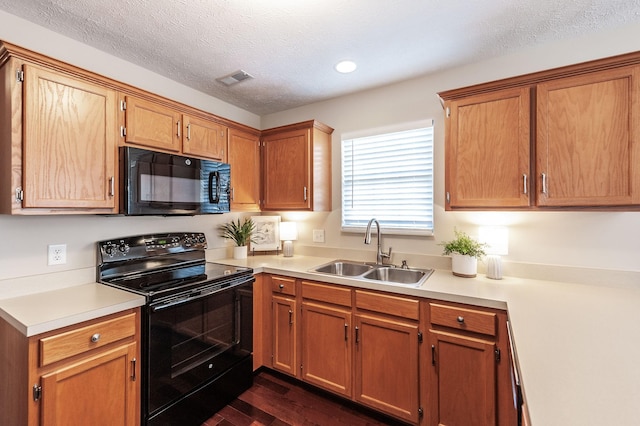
[{"x": 266, "y": 236}]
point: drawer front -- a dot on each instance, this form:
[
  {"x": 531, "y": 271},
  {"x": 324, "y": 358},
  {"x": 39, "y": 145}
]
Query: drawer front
[
  {"x": 463, "y": 319},
  {"x": 387, "y": 304},
  {"x": 283, "y": 285},
  {"x": 74, "y": 342},
  {"x": 326, "y": 293}
]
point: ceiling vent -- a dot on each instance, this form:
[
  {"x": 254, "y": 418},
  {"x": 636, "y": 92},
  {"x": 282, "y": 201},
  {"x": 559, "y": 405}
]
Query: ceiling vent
[{"x": 234, "y": 78}]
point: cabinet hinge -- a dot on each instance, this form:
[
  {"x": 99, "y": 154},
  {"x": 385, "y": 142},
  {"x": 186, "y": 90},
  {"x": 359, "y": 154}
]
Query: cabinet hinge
[
  {"x": 420, "y": 412},
  {"x": 123, "y": 131},
  {"x": 19, "y": 194},
  {"x": 123, "y": 105},
  {"x": 37, "y": 392},
  {"x": 20, "y": 76},
  {"x": 497, "y": 352},
  {"x": 420, "y": 339}
]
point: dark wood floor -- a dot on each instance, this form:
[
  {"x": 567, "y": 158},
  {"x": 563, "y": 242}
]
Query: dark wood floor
[{"x": 276, "y": 400}]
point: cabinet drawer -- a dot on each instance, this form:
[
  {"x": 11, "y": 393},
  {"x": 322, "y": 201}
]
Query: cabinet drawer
[
  {"x": 60, "y": 346},
  {"x": 387, "y": 304},
  {"x": 463, "y": 319},
  {"x": 326, "y": 293},
  {"x": 283, "y": 285}
]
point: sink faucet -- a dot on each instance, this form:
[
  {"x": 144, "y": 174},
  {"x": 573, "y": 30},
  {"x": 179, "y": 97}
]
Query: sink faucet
[{"x": 380, "y": 256}]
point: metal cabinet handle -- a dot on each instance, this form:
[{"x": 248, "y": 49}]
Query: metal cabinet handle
[
  {"x": 189, "y": 131},
  {"x": 95, "y": 337},
  {"x": 357, "y": 335},
  {"x": 178, "y": 128},
  {"x": 544, "y": 182},
  {"x": 290, "y": 317},
  {"x": 346, "y": 332},
  {"x": 112, "y": 186},
  {"x": 433, "y": 354},
  {"x": 525, "y": 190},
  {"x": 460, "y": 320},
  {"x": 305, "y": 193},
  {"x": 133, "y": 369}
]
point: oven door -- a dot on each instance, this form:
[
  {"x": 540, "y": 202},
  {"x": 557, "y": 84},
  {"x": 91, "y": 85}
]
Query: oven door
[
  {"x": 157, "y": 183},
  {"x": 192, "y": 342}
]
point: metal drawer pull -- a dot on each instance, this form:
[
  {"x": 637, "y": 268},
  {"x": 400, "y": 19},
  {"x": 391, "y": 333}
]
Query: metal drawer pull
[
  {"x": 133, "y": 370},
  {"x": 281, "y": 286},
  {"x": 346, "y": 332},
  {"x": 460, "y": 320},
  {"x": 290, "y": 317},
  {"x": 544, "y": 182},
  {"x": 95, "y": 337}
]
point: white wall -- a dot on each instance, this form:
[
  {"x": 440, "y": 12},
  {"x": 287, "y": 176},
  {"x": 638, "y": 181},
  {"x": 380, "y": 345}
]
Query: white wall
[{"x": 609, "y": 240}]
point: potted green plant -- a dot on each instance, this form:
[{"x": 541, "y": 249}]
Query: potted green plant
[
  {"x": 465, "y": 252},
  {"x": 239, "y": 233}
]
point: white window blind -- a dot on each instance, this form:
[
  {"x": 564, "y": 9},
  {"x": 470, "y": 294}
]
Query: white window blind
[{"x": 389, "y": 177}]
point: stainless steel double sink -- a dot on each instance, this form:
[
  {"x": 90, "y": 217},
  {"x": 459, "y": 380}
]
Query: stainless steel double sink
[{"x": 387, "y": 274}]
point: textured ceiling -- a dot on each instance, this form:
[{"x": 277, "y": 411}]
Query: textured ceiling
[{"x": 291, "y": 46}]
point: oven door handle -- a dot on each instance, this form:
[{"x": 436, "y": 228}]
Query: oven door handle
[
  {"x": 216, "y": 199},
  {"x": 185, "y": 299}
]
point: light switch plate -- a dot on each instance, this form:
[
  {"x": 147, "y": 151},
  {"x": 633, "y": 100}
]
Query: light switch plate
[{"x": 318, "y": 235}]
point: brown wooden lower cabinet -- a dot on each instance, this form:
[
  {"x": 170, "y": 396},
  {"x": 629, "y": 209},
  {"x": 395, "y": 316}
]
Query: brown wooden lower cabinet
[
  {"x": 386, "y": 368},
  {"x": 284, "y": 335},
  {"x": 422, "y": 361},
  {"x": 86, "y": 373}
]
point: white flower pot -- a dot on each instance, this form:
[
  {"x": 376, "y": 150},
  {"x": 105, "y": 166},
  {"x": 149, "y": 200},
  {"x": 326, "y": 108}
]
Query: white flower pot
[
  {"x": 464, "y": 266},
  {"x": 240, "y": 252}
]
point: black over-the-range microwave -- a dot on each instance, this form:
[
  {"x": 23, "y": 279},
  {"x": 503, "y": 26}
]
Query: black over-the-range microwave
[{"x": 157, "y": 183}]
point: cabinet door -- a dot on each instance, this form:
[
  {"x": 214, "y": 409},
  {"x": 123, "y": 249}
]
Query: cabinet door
[
  {"x": 69, "y": 142},
  {"x": 204, "y": 138},
  {"x": 386, "y": 367},
  {"x": 100, "y": 390},
  {"x": 244, "y": 158},
  {"x": 326, "y": 347},
  {"x": 284, "y": 335},
  {"x": 152, "y": 125},
  {"x": 286, "y": 171},
  {"x": 462, "y": 382},
  {"x": 588, "y": 152},
  {"x": 488, "y": 150}
]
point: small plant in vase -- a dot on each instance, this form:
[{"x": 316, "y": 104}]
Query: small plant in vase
[
  {"x": 465, "y": 252},
  {"x": 240, "y": 233}
]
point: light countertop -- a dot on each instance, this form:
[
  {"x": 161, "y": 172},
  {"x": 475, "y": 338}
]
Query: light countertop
[
  {"x": 578, "y": 346},
  {"x": 45, "y": 311}
]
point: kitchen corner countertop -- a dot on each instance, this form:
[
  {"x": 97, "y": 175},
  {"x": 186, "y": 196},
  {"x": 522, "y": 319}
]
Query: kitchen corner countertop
[
  {"x": 41, "y": 312},
  {"x": 577, "y": 346}
]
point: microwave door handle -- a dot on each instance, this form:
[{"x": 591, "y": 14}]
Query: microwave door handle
[{"x": 215, "y": 200}]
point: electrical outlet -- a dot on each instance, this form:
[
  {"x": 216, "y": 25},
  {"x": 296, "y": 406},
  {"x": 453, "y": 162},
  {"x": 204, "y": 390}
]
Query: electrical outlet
[
  {"x": 318, "y": 235},
  {"x": 57, "y": 254}
]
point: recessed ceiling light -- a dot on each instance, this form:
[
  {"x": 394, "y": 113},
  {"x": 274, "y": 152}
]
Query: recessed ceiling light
[{"x": 346, "y": 67}]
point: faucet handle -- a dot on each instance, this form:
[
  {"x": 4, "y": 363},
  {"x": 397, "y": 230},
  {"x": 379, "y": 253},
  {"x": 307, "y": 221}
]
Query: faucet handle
[{"x": 386, "y": 255}]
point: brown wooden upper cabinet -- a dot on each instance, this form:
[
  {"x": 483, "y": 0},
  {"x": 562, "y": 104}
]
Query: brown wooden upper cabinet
[
  {"x": 566, "y": 137},
  {"x": 296, "y": 164},
  {"x": 58, "y": 142},
  {"x": 489, "y": 165},
  {"x": 157, "y": 126},
  {"x": 243, "y": 154}
]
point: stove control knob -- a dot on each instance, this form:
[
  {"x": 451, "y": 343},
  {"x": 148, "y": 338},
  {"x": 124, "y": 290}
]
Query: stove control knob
[
  {"x": 109, "y": 249},
  {"x": 201, "y": 239},
  {"x": 123, "y": 247}
]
